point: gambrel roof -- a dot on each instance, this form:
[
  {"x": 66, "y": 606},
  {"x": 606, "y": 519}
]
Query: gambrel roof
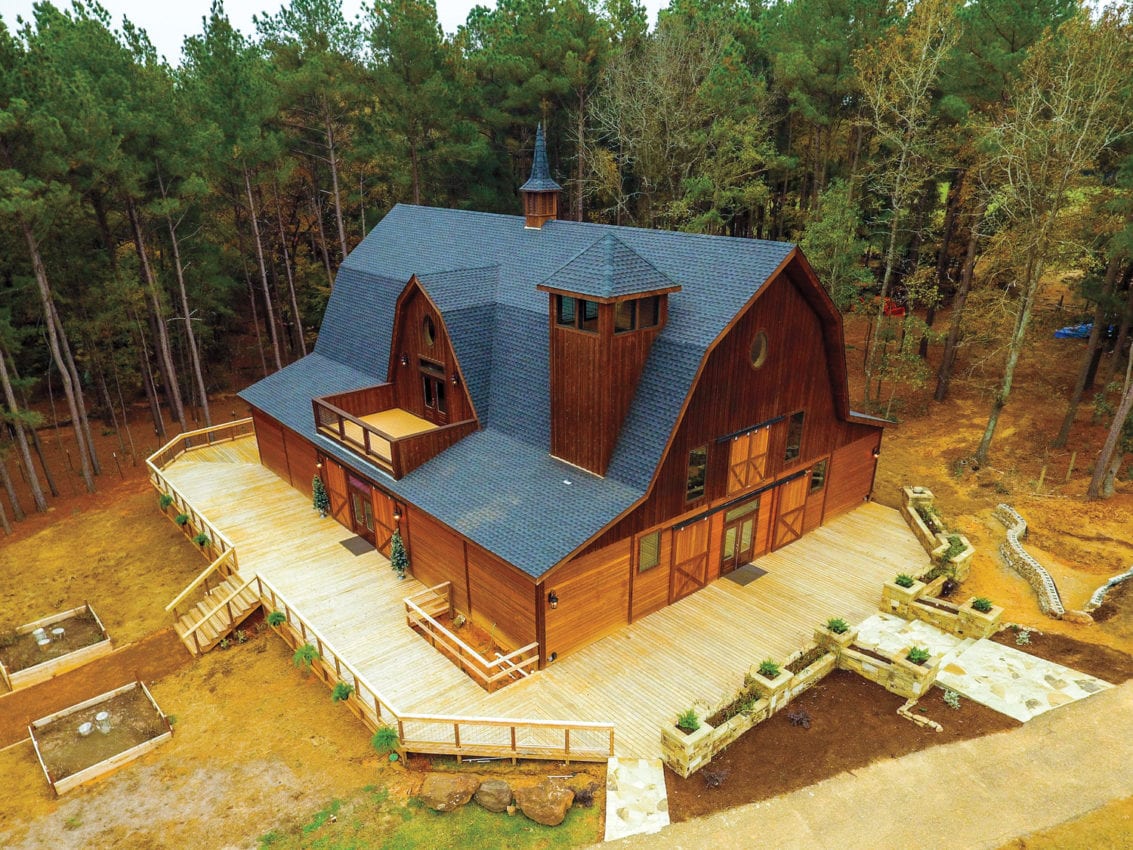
[{"x": 499, "y": 486}]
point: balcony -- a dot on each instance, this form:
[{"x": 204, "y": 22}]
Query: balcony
[{"x": 369, "y": 423}]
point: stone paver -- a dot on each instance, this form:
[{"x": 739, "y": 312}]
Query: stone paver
[
  {"x": 636, "y": 800},
  {"x": 1003, "y": 678}
]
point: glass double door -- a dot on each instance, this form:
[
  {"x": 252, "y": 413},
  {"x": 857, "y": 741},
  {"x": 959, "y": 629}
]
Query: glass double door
[{"x": 739, "y": 536}]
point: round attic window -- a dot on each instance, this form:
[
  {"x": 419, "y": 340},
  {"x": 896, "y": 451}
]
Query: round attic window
[
  {"x": 429, "y": 331},
  {"x": 759, "y": 350}
]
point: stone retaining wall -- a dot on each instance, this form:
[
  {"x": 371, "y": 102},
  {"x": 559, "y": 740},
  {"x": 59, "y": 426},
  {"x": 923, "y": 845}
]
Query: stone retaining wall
[
  {"x": 1098, "y": 596},
  {"x": 896, "y": 675},
  {"x": 960, "y": 620},
  {"x": 936, "y": 544},
  {"x": 1019, "y": 560}
]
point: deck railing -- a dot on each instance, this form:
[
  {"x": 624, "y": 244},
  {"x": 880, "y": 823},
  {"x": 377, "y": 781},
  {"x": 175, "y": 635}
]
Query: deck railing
[
  {"x": 434, "y": 734},
  {"x": 488, "y": 674},
  {"x": 397, "y": 455},
  {"x": 223, "y": 567},
  {"x": 200, "y": 438}
]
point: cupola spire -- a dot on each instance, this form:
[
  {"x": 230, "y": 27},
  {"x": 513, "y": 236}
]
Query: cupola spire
[{"x": 540, "y": 192}]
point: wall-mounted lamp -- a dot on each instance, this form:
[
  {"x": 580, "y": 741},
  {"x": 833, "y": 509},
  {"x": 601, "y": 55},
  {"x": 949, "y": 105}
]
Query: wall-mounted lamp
[
  {"x": 397, "y": 514},
  {"x": 405, "y": 360},
  {"x": 877, "y": 451},
  {"x": 455, "y": 379},
  {"x": 319, "y": 465},
  {"x": 553, "y": 599}
]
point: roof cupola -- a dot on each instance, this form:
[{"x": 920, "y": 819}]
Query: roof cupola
[{"x": 540, "y": 192}]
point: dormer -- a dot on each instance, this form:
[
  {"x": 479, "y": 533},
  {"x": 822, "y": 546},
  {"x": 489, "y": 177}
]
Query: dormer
[
  {"x": 540, "y": 192},
  {"x": 607, "y": 305}
]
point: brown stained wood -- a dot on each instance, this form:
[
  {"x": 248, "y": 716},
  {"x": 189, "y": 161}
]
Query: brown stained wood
[
  {"x": 503, "y": 599},
  {"x": 791, "y": 505},
  {"x": 651, "y": 588},
  {"x": 437, "y": 556},
  {"x": 593, "y": 593},
  {"x": 639, "y": 676},
  {"x": 850, "y": 476}
]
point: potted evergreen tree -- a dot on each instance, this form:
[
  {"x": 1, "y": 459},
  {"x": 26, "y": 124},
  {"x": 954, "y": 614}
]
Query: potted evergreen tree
[
  {"x": 320, "y": 499},
  {"x": 398, "y": 557}
]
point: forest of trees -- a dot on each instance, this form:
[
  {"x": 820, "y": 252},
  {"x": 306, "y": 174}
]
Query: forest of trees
[{"x": 166, "y": 229}]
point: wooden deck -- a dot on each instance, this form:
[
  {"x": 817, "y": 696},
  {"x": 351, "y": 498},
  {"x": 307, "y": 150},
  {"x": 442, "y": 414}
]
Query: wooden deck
[{"x": 639, "y": 678}]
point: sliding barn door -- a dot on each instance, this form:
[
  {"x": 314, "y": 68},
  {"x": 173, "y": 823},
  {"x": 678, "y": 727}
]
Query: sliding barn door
[
  {"x": 690, "y": 560},
  {"x": 336, "y": 489},
  {"x": 791, "y": 499}
]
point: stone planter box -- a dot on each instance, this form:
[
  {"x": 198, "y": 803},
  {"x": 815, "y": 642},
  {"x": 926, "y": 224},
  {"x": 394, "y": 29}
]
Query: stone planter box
[
  {"x": 776, "y": 691},
  {"x": 976, "y": 624},
  {"x": 896, "y": 599},
  {"x": 832, "y": 641},
  {"x": 686, "y": 753},
  {"x": 895, "y": 674}
]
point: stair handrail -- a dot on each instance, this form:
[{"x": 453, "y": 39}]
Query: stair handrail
[
  {"x": 199, "y": 580},
  {"x": 219, "y": 605}
]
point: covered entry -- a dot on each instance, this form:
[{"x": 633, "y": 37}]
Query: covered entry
[{"x": 739, "y": 536}]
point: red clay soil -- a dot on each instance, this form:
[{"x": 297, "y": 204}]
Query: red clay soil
[
  {"x": 1107, "y": 664},
  {"x": 852, "y": 722},
  {"x": 149, "y": 659}
]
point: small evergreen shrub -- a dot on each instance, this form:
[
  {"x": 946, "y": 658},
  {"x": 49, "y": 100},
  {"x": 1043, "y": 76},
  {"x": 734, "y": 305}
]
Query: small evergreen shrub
[
  {"x": 181, "y": 519},
  {"x": 904, "y": 580},
  {"x": 918, "y": 655},
  {"x": 341, "y": 692},
  {"x": 687, "y": 721},
  {"x": 201, "y": 539},
  {"x": 165, "y": 501},
  {"x": 837, "y": 625},
  {"x": 319, "y": 498},
  {"x": 1023, "y": 637},
  {"x": 955, "y": 547},
  {"x": 276, "y": 618},
  {"x": 305, "y": 656},
  {"x": 768, "y": 669},
  {"x": 398, "y": 557},
  {"x": 385, "y": 740},
  {"x": 982, "y": 604},
  {"x": 952, "y": 699}
]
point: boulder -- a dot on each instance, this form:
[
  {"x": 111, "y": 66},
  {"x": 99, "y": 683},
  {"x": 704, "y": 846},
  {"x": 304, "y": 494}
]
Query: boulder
[
  {"x": 545, "y": 803},
  {"x": 494, "y": 795},
  {"x": 444, "y": 792}
]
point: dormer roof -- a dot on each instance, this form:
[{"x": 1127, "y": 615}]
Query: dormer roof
[{"x": 609, "y": 270}]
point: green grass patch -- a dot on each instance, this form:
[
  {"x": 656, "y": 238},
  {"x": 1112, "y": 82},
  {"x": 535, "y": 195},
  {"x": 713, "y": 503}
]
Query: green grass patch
[{"x": 371, "y": 819}]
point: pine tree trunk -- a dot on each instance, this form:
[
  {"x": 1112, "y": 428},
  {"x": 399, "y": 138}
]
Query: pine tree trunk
[
  {"x": 333, "y": 156},
  {"x": 164, "y": 354},
  {"x": 269, "y": 314},
  {"x": 21, "y": 436},
  {"x": 146, "y": 372},
  {"x": 951, "y": 209},
  {"x": 7, "y": 526},
  {"x": 1093, "y": 345},
  {"x": 302, "y": 343},
  {"x": 317, "y": 207},
  {"x": 580, "y": 165},
  {"x": 948, "y": 358},
  {"x": 1122, "y": 329},
  {"x": 47, "y": 302},
  {"x": 36, "y": 442},
  {"x": 1109, "y": 460},
  {"x": 17, "y": 508}
]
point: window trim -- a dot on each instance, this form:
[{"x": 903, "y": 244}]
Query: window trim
[
  {"x": 655, "y": 536},
  {"x": 824, "y": 465},
  {"x": 696, "y": 492},
  {"x": 626, "y": 305},
  {"x": 793, "y": 450}
]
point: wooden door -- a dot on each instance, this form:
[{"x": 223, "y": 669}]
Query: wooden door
[
  {"x": 738, "y": 541},
  {"x": 747, "y": 460},
  {"x": 790, "y": 512},
  {"x": 361, "y": 508},
  {"x": 336, "y": 490},
  {"x": 433, "y": 391},
  {"x": 690, "y": 560},
  {"x": 383, "y": 521}
]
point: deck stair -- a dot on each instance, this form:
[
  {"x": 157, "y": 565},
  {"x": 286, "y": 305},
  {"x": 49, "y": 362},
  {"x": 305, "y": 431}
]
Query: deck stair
[{"x": 221, "y": 610}]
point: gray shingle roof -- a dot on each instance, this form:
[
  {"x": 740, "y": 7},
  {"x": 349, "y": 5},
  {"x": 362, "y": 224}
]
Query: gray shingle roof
[
  {"x": 609, "y": 269},
  {"x": 540, "y": 180},
  {"x": 499, "y": 486}
]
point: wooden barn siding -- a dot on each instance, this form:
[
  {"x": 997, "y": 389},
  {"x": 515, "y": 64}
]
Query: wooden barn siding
[
  {"x": 362, "y": 402},
  {"x": 335, "y": 481},
  {"x": 269, "y": 438},
  {"x": 593, "y": 380},
  {"x": 409, "y": 339},
  {"x": 851, "y": 474},
  {"x": 301, "y": 461},
  {"x": 503, "y": 599},
  {"x": 731, "y": 396},
  {"x": 438, "y": 556},
  {"x": 593, "y": 596},
  {"x": 651, "y": 588}
]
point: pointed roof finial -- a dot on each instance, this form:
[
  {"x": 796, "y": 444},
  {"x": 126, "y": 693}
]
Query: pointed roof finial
[{"x": 540, "y": 180}]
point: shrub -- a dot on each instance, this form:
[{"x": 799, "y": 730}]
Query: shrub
[
  {"x": 585, "y": 796},
  {"x": 952, "y": 699},
  {"x": 799, "y": 717},
  {"x": 918, "y": 655},
  {"x": 319, "y": 498},
  {"x": 341, "y": 692},
  {"x": 181, "y": 519},
  {"x": 715, "y": 778},
  {"x": 305, "y": 656},
  {"x": 385, "y": 740},
  {"x": 1023, "y": 637},
  {"x": 687, "y": 721},
  {"x": 981, "y": 604},
  {"x": 276, "y": 618},
  {"x": 955, "y": 547},
  {"x": 837, "y": 625},
  {"x": 768, "y": 668},
  {"x": 398, "y": 557},
  {"x": 165, "y": 501},
  {"x": 904, "y": 580},
  {"x": 241, "y": 636},
  {"x": 202, "y": 539}
]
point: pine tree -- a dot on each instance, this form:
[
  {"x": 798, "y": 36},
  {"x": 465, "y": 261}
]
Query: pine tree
[
  {"x": 320, "y": 498},
  {"x": 398, "y": 557}
]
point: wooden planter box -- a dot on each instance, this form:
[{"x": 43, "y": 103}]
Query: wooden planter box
[
  {"x": 66, "y": 783},
  {"x": 52, "y": 667}
]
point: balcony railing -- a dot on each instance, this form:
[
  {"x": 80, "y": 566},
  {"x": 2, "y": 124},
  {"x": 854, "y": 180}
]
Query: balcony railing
[{"x": 340, "y": 417}]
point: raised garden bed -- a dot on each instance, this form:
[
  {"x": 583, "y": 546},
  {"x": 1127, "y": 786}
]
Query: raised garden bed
[
  {"x": 38, "y": 651},
  {"x": 73, "y": 747}
]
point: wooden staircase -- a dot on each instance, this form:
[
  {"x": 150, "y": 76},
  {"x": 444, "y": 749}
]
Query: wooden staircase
[{"x": 217, "y": 614}]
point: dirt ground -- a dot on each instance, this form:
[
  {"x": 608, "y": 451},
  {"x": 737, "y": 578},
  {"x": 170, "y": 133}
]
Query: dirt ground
[
  {"x": 258, "y": 748},
  {"x": 776, "y": 756}
]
